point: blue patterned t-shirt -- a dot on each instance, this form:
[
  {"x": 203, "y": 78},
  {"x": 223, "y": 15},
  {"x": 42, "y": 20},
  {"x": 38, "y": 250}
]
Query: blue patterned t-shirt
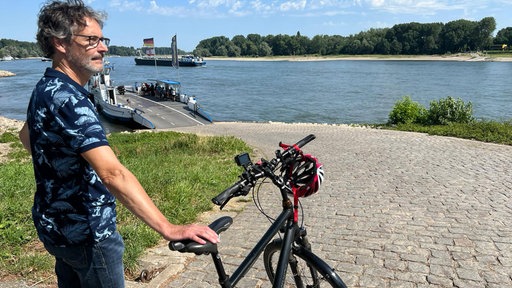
[{"x": 71, "y": 204}]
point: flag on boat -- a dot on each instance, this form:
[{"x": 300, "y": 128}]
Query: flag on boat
[
  {"x": 174, "y": 48},
  {"x": 149, "y": 42},
  {"x": 149, "y": 46}
]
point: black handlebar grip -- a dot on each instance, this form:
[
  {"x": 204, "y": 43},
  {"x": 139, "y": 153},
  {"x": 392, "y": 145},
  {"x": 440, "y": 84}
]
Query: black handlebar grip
[
  {"x": 306, "y": 140},
  {"x": 299, "y": 144},
  {"x": 226, "y": 194}
]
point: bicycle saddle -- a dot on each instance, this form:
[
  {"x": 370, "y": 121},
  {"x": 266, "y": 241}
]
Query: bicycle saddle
[{"x": 189, "y": 246}]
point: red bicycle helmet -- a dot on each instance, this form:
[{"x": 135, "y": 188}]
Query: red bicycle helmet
[{"x": 306, "y": 175}]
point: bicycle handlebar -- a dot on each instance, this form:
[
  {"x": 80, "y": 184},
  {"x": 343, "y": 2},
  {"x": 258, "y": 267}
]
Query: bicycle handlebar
[
  {"x": 299, "y": 144},
  {"x": 253, "y": 172},
  {"x": 228, "y": 193}
]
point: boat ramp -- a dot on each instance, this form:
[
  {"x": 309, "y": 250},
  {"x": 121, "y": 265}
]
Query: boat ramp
[{"x": 163, "y": 113}]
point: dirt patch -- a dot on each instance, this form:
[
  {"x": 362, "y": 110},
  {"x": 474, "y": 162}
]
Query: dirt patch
[{"x": 8, "y": 125}]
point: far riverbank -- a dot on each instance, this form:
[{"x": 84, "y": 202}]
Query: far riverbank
[{"x": 454, "y": 57}]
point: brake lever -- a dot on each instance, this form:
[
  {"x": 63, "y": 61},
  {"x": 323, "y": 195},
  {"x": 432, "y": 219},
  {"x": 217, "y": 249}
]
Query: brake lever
[{"x": 225, "y": 203}]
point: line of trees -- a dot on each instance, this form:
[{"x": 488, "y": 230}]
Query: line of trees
[
  {"x": 19, "y": 49},
  {"x": 402, "y": 39},
  {"x": 24, "y": 49}
]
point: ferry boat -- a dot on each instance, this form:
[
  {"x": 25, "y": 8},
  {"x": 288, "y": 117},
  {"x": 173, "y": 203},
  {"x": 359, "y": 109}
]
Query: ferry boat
[
  {"x": 105, "y": 98},
  {"x": 183, "y": 61},
  {"x": 151, "y": 59}
]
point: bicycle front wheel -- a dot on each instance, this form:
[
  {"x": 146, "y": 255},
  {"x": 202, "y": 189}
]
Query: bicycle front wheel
[{"x": 307, "y": 270}]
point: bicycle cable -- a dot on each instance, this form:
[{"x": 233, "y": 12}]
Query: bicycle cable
[{"x": 258, "y": 203}]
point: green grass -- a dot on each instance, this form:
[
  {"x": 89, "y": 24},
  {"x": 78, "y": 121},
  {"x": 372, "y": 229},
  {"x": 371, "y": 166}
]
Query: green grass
[
  {"x": 485, "y": 131},
  {"x": 180, "y": 172},
  {"x": 497, "y": 53}
]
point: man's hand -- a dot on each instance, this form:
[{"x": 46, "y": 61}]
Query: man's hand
[{"x": 194, "y": 232}]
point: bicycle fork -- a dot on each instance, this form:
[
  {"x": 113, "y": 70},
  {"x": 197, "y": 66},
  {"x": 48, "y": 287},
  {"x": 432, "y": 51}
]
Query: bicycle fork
[{"x": 294, "y": 264}]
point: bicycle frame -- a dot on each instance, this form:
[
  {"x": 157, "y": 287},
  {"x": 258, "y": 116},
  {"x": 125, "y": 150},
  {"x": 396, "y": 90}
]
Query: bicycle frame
[{"x": 284, "y": 218}]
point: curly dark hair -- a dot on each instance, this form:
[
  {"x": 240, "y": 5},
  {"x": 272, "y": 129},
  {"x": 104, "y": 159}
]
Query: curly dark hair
[{"x": 60, "y": 19}]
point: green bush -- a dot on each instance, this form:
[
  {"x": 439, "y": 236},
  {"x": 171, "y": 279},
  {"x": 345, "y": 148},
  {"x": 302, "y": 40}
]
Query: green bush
[
  {"x": 407, "y": 111},
  {"x": 441, "y": 112},
  {"x": 448, "y": 110}
]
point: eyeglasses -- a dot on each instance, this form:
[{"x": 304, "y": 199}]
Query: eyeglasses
[{"x": 95, "y": 40}]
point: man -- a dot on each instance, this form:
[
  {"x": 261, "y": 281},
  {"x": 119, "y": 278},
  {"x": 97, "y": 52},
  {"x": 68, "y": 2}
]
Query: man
[{"x": 78, "y": 177}]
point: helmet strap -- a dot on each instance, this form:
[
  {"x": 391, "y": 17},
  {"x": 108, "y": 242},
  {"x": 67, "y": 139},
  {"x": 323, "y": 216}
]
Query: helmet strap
[
  {"x": 285, "y": 146},
  {"x": 295, "y": 205}
]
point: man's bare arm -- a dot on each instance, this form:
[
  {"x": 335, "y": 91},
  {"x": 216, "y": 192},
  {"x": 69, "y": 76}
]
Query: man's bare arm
[
  {"x": 128, "y": 190},
  {"x": 25, "y": 137}
]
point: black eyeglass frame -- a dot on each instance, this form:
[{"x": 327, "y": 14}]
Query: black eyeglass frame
[{"x": 94, "y": 41}]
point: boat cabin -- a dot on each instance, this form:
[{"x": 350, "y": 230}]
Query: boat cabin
[
  {"x": 101, "y": 84},
  {"x": 166, "y": 89}
]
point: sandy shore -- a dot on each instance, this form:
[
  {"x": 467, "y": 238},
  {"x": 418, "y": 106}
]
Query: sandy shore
[
  {"x": 7, "y": 124},
  {"x": 455, "y": 57},
  {"x": 4, "y": 73}
]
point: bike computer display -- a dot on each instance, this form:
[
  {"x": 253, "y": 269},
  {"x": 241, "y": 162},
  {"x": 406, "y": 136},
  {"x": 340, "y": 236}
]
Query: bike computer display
[{"x": 243, "y": 160}]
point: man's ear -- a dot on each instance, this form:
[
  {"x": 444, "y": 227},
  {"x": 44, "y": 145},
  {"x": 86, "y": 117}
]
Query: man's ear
[{"x": 60, "y": 44}]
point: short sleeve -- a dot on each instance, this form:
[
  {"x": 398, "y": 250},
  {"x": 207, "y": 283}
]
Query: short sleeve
[{"x": 81, "y": 125}]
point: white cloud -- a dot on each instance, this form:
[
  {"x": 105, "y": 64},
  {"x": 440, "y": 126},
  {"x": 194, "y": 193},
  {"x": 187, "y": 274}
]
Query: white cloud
[
  {"x": 260, "y": 6},
  {"x": 215, "y": 3},
  {"x": 127, "y": 5},
  {"x": 300, "y": 8},
  {"x": 377, "y": 3},
  {"x": 293, "y": 5},
  {"x": 154, "y": 8},
  {"x": 419, "y": 6}
]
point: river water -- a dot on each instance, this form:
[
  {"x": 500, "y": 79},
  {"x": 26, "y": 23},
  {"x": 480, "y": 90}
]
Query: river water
[{"x": 333, "y": 92}]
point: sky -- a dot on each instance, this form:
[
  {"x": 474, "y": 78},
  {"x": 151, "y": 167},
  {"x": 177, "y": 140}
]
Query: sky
[{"x": 130, "y": 21}]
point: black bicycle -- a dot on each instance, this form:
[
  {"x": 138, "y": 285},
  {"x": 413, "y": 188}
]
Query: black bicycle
[{"x": 296, "y": 175}]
